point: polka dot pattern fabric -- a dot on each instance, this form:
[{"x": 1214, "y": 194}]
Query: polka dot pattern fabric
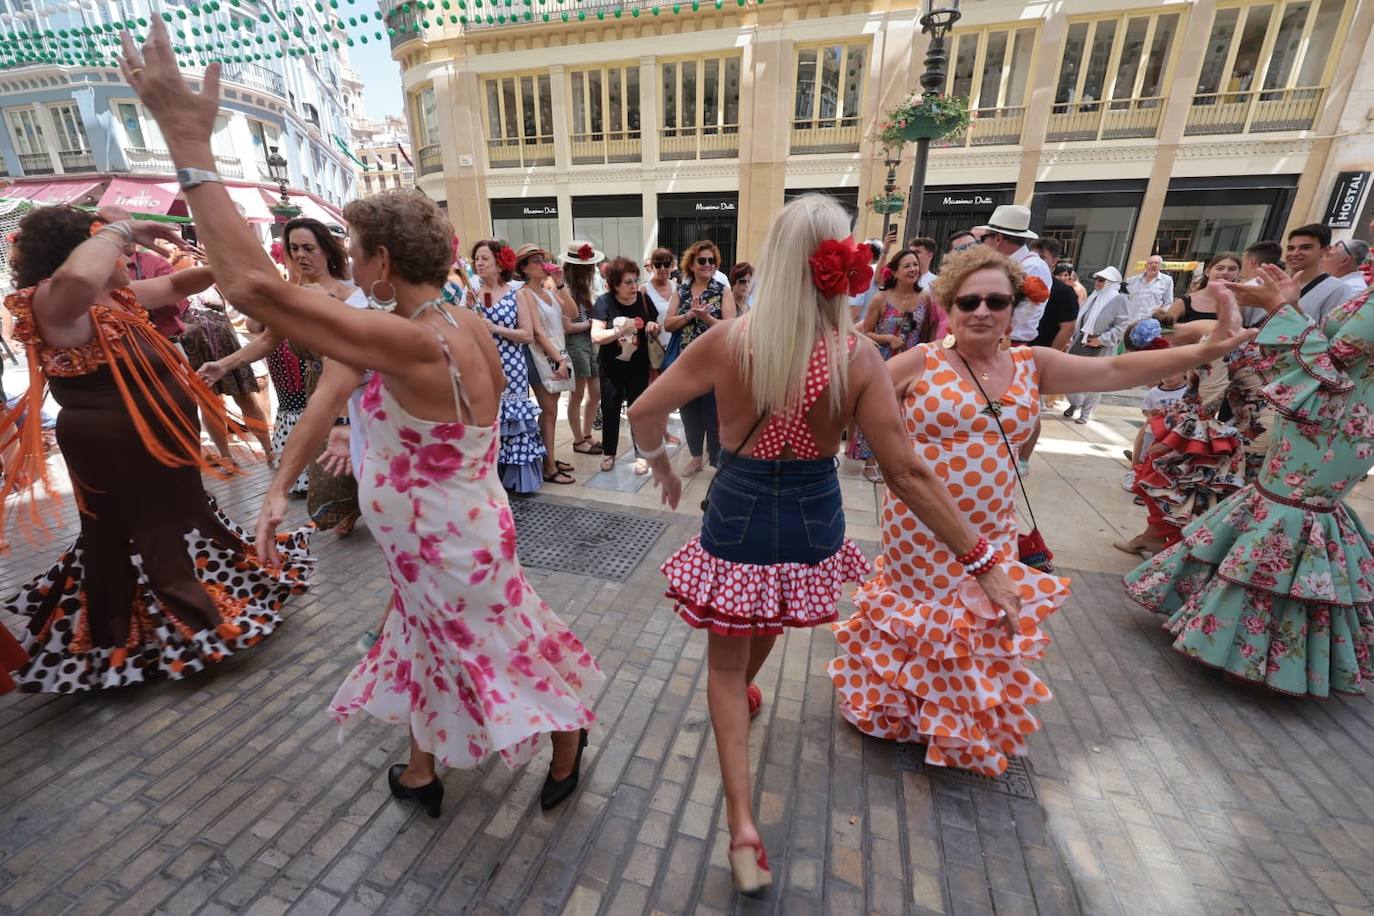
[
  {"x": 791, "y": 430},
  {"x": 522, "y": 450},
  {"x": 924, "y": 658}
]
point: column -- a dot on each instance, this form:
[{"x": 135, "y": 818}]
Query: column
[
  {"x": 649, "y": 215},
  {"x": 562, "y": 125},
  {"x": 1197, "y": 27},
  {"x": 457, "y": 98},
  {"x": 1053, "y": 34},
  {"x": 649, "y": 118},
  {"x": 563, "y": 191},
  {"x": 768, "y": 76}
]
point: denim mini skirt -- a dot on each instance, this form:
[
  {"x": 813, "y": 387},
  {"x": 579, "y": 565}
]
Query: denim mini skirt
[{"x": 764, "y": 511}]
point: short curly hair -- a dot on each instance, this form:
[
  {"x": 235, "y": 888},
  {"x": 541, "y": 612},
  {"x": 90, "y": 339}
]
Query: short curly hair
[
  {"x": 415, "y": 232},
  {"x": 47, "y": 237},
  {"x": 618, "y": 270},
  {"x": 959, "y": 266}
]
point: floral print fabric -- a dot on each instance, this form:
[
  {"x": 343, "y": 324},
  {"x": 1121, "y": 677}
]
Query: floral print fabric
[
  {"x": 470, "y": 658},
  {"x": 1275, "y": 584}
]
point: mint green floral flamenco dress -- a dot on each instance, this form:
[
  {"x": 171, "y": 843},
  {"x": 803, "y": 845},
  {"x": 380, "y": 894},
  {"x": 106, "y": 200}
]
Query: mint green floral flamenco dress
[{"x": 1275, "y": 584}]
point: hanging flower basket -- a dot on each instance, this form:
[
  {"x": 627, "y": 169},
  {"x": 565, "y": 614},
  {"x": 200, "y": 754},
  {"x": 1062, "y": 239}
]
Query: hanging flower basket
[
  {"x": 922, "y": 117},
  {"x": 885, "y": 204}
]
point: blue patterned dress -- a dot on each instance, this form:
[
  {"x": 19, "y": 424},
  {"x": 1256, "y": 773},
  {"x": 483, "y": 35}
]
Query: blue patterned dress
[{"x": 521, "y": 459}]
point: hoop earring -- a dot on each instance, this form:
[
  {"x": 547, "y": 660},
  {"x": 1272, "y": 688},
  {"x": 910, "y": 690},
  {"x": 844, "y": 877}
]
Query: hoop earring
[
  {"x": 382, "y": 305},
  {"x": 1004, "y": 343},
  {"x": 949, "y": 341}
]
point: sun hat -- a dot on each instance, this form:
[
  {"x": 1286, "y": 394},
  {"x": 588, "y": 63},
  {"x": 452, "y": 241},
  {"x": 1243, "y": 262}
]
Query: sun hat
[
  {"x": 1012, "y": 221},
  {"x": 581, "y": 252},
  {"x": 1110, "y": 274},
  {"x": 528, "y": 250}
]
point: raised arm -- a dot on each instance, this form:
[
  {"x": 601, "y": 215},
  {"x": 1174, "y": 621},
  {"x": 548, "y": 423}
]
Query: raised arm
[
  {"x": 248, "y": 278},
  {"x": 156, "y": 292}
]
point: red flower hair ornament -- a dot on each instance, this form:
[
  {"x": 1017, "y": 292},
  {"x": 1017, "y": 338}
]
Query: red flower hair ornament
[
  {"x": 841, "y": 267},
  {"x": 585, "y": 252},
  {"x": 505, "y": 258},
  {"x": 1034, "y": 289}
]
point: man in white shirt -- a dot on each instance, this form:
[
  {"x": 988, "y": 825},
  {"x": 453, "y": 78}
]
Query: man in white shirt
[
  {"x": 1008, "y": 232},
  {"x": 925, "y": 254},
  {"x": 1342, "y": 261},
  {"x": 1150, "y": 291},
  {"x": 1304, "y": 253}
]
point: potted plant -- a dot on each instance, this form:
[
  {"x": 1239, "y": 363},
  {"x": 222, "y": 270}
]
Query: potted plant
[
  {"x": 923, "y": 117},
  {"x": 887, "y": 203}
]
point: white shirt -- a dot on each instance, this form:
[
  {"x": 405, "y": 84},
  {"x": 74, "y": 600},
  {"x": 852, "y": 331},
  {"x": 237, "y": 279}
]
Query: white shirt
[
  {"x": 1148, "y": 296},
  {"x": 1157, "y": 398},
  {"x": 1355, "y": 280},
  {"x": 1025, "y": 318},
  {"x": 923, "y": 284}
]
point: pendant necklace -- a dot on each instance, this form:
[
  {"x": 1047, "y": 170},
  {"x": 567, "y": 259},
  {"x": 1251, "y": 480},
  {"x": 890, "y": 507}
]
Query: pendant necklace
[{"x": 982, "y": 374}]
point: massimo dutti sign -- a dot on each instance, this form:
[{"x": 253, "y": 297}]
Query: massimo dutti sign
[{"x": 524, "y": 208}]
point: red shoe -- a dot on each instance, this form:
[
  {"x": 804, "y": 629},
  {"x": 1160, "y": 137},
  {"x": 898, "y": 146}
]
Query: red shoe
[
  {"x": 755, "y": 696},
  {"x": 749, "y": 868}
]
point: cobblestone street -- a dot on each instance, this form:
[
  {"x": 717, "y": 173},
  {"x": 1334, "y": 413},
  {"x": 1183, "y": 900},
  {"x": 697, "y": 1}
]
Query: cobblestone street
[{"x": 1155, "y": 786}]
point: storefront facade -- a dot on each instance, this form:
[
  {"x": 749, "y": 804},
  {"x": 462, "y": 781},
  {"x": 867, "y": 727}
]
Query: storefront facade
[
  {"x": 1206, "y": 216},
  {"x": 613, "y": 224},
  {"x": 687, "y": 218},
  {"x": 951, "y": 208},
  {"x": 526, "y": 219},
  {"x": 1094, "y": 220}
]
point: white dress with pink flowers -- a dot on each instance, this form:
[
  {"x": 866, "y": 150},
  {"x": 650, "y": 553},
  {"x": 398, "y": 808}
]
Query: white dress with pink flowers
[{"x": 470, "y": 659}]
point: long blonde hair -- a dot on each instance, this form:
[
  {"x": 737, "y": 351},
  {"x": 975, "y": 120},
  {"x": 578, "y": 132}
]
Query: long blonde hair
[{"x": 773, "y": 344}]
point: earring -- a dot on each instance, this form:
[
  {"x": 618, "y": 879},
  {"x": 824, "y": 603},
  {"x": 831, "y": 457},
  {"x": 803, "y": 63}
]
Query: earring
[
  {"x": 1004, "y": 343},
  {"x": 949, "y": 341},
  {"x": 382, "y": 305}
]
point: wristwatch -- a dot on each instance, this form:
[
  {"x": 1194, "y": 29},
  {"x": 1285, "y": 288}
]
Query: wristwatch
[
  {"x": 190, "y": 178},
  {"x": 341, "y": 421}
]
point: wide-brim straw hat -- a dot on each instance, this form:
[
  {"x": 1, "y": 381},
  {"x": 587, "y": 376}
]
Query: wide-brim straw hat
[
  {"x": 528, "y": 250},
  {"x": 581, "y": 252}
]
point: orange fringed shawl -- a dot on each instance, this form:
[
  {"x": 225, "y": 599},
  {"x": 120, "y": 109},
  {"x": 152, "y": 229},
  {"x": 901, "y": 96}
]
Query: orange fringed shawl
[{"x": 119, "y": 331}]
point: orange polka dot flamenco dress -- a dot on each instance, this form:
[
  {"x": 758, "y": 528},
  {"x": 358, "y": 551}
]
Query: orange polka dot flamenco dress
[{"x": 924, "y": 658}]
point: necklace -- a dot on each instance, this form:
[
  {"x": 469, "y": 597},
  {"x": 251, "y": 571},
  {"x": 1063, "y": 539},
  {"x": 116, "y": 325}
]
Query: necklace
[
  {"x": 991, "y": 408},
  {"x": 982, "y": 373}
]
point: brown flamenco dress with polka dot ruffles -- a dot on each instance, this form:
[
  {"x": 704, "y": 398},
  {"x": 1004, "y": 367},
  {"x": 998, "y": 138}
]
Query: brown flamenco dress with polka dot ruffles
[
  {"x": 924, "y": 658},
  {"x": 159, "y": 582}
]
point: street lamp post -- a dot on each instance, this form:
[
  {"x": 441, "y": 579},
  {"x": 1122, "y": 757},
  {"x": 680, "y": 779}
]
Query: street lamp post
[
  {"x": 937, "y": 24},
  {"x": 889, "y": 188},
  {"x": 276, "y": 168}
]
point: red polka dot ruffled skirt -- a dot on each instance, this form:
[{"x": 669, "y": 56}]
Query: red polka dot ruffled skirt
[{"x": 746, "y": 599}]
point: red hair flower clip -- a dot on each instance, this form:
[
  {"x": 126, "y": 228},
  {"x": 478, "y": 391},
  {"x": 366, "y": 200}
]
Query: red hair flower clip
[
  {"x": 505, "y": 258},
  {"x": 887, "y": 275},
  {"x": 840, "y": 267},
  {"x": 585, "y": 252},
  {"x": 1034, "y": 289}
]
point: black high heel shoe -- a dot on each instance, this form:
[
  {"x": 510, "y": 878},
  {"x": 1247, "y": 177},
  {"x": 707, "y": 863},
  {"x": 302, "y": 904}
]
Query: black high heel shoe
[
  {"x": 556, "y": 790},
  {"x": 430, "y": 795}
]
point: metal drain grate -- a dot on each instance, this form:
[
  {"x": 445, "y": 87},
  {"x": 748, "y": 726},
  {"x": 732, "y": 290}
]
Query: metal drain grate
[
  {"x": 586, "y": 542},
  {"x": 1015, "y": 781}
]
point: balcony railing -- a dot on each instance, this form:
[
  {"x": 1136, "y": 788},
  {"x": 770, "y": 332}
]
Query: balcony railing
[
  {"x": 1255, "y": 111},
  {"x": 36, "y": 163},
  {"x": 602, "y": 148},
  {"x": 254, "y": 76},
  {"x": 989, "y": 127},
  {"x": 403, "y": 23},
  {"x": 1107, "y": 119},
  {"x": 517, "y": 153},
  {"x": 229, "y": 166},
  {"x": 841, "y": 135},
  {"x": 142, "y": 159},
  {"x": 494, "y": 17},
  {"x": 79, "y": 160},
  {"x": 431, "y": 159},
  {"x": 714, "y": 142}
]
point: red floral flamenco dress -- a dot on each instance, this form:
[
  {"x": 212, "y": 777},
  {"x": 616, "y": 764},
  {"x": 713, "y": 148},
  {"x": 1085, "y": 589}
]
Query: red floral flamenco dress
[{"x": 159, "y": 582}]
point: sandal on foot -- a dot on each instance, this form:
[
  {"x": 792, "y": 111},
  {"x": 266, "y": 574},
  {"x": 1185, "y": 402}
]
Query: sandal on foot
[
  {"x": 564, "y": 466},
  {"x": 608, "y": 463},
  {"x": 755, "y": 697},
  {"x": 562, "y": 478},
  {"x": 1126, "y": 547},
  {"x": 641, "y": 467},
  {"x": 749, "y": 868},
  {"x": 587, "y": 447}
]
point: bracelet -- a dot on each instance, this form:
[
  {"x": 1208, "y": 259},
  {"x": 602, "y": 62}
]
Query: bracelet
[
  {"x": 654, "y": 452},
  {"x": 341, "y": 421},
  {"x": 978, "y": 569},
  {"x": 974, "y": 554},
  {"x": 122, "y": 227}
]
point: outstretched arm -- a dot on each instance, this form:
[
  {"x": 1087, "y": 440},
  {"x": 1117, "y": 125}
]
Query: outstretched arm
[{"x": 156, "y": 292}]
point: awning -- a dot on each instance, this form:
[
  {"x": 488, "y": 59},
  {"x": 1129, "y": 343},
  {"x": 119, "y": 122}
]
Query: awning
[
  {"x": 62, "y": 192},
  {"x": 140, "y": 196},
  {"x": 25, "y": 190},
  {"x": 249, "y": 201}
]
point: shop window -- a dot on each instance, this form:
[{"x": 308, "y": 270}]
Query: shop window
[
  {"x": 700, "y": 108},
  {"x": 519, "y": 121},
  {"x": 991, "y": 69},
  {"x": 605, "y": 114},
  {"x": 1266, "y": 66},
  {"x": 827, "y": 108},
  {"x": 71, "y": 132}
]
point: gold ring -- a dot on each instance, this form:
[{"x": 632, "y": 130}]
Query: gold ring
[{"x": 135, "y": 71}]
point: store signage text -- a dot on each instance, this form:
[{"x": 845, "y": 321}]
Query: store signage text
[
  {"x": 715, "y": 207},
  {"x": 1346, "y": 199},
  {"x": 977, "y": 200},
  {"x": 539, "y": 211}
]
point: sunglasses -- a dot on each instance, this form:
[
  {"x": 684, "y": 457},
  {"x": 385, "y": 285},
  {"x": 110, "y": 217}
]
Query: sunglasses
[
  {"x": 965, "y": 246},
  {"x": 996, "y": 302},
  {"x": 663, "y": 263},
  {"x": 706, "y": 261}
]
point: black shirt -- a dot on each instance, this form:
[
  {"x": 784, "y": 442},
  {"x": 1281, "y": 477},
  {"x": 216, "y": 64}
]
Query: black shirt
[
  {"x": 1062, "y": 306},
  {"x": 608, "y": 308}
]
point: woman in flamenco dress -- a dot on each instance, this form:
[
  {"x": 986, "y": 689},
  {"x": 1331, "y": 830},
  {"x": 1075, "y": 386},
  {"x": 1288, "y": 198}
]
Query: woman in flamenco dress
[
  {"x": 1275, "y": 584},
  {"x": 470, "y": 660},
  {"x": 159, "y": 582},
  {"x": 789, "y": 378},
  {"x": 922, "y": 659}
]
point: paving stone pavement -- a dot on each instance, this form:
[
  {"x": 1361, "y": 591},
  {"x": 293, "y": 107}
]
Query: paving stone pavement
[{"x": 1158, "y": 787}]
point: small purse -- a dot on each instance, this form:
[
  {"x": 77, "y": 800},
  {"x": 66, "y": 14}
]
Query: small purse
[
  {"x": 1030, "y": 546},
  {"x": 546, "y": 369}
]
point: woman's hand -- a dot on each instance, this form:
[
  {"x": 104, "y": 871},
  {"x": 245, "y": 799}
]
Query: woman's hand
[
  {"x": 1274, "y": 289},
  {"x": 563, "y": 370},
  {"x": 269, "y": 520},
  {"x": 997, "y": 585},
  {"x": 652, "y": 329},
  {"x": 212, "y": 372},
  {"x": 1229, "y": 332},
  {"x": 667, "y": 481},
  {"x": 185, "y": 118},
  {"x": 492, "y": 327},
  {"x": 1093, "y": 342},
  {"x": 335, "y": 459},
  {"x": 149, "y": 233}
]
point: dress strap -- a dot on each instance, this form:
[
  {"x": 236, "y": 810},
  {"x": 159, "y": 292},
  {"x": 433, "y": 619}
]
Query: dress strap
[
  {"x": 455, "y": 376},
  {"x": 792, "y": 429}
]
